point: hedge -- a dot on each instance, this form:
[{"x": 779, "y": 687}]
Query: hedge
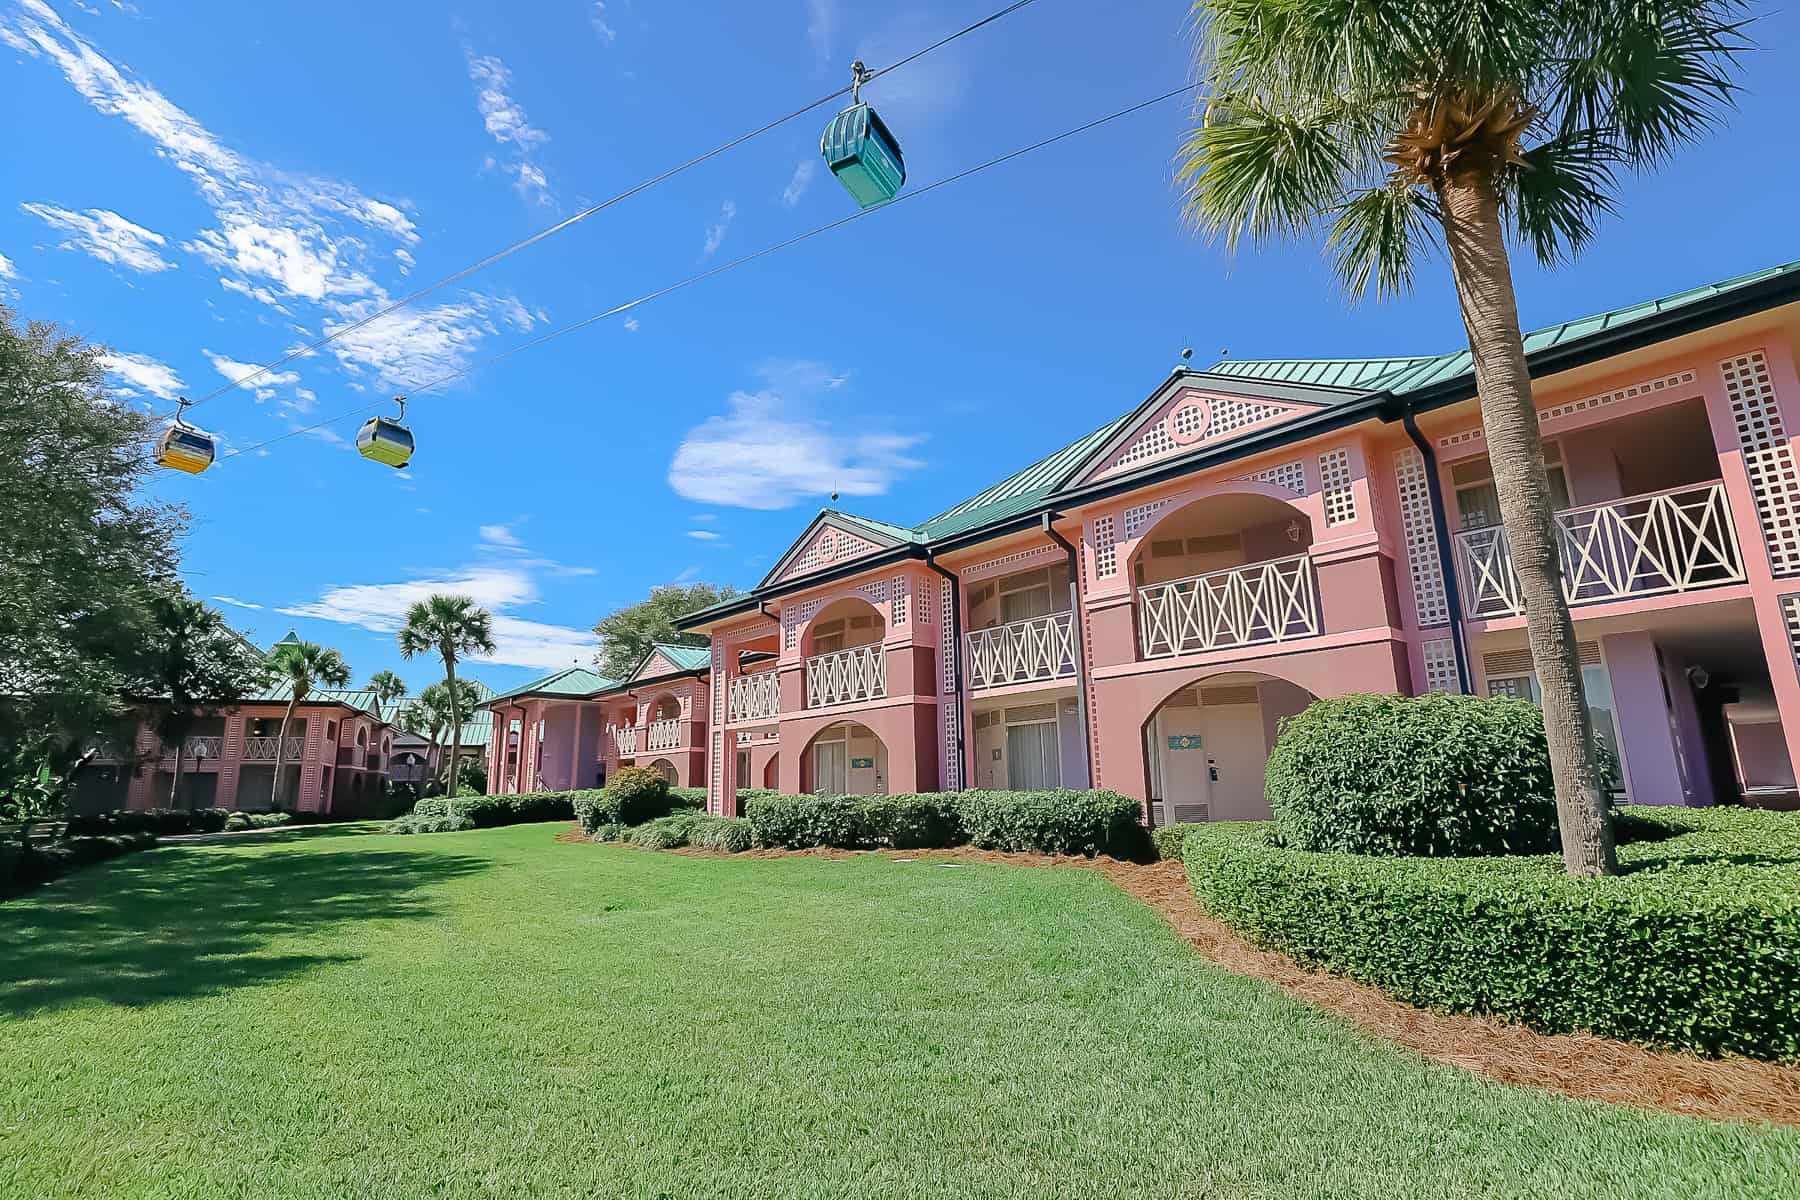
[
  {"x": 167, "y": 822},
  {"x": 447, "y": 814},
  {"x": 1167, "y": 840},
  {"x": 25, "y": 867},
  {"x": 415, "y": 822},
  {"x": 730, "y": 834},
  {"x": 1696, "y": 946},
  {"x": 1060, "y": 822},
  {"x": 1414, "y": 775},
  {"x": 238, "y": 822}
]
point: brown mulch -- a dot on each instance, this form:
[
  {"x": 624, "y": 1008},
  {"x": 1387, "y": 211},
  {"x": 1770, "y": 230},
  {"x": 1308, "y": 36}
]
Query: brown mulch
[{"x": 1580, "y": 1065}]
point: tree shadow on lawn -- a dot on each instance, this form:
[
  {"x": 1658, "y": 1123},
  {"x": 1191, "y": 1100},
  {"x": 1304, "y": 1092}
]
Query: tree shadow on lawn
[{"x": 189, "y": 922}]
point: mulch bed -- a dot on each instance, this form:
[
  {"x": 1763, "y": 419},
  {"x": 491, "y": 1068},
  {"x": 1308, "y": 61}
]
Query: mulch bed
[{"x": 1580, "y": 1065}]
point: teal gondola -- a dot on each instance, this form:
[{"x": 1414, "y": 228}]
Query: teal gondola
[
  {"x": 385, "y": 439},
  {"x": 861, "y": 151}
]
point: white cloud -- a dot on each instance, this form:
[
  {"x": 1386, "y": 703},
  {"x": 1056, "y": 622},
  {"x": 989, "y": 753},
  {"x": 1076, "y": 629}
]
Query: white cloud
[
  {"x": 705, "y": 535},
  {"x": 418, "y": 344},
  {"x": 301, "y": 262},
  {"x": 803, "y": 177},
  {"x": 704, "y": 518},
  {"x": 106, "y": 236},
  {"x": 500, "y": 535},
  {"x": 821, "y": 27},
  {"x": 233, "y": 600},
  {"x": 267, "y": 386},
  {"x": 7, "y": 270},
  {"x": 631, "y": 324},
  {"x": 142, "y": 373},
  {"x": 607, "y": 33},
  {"x": 506, "y": 123},
  {"x": 772, "y": 449},
  {"x": 715, "y": 233},
  {"x": 404, "y": 257}
]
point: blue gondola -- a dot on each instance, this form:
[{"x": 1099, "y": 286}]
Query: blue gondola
[
  {"x": 385, "y": 439},
  {"x": 861, "y": 151},
  {"x": 182, "y": 447}
]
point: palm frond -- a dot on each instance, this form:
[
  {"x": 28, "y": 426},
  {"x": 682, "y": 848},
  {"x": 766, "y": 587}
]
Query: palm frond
[
  {"x": 1557, "y": 198},
  {"x": 1257, "y": 170},
  {"x": 1374, "y": 236}
]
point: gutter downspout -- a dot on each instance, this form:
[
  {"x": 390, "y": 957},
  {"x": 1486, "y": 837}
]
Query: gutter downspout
[
  {"x": 1440, "y": 528},
  {"x": 1081, "y": 675},
  {"x": 956, "y": 667}
]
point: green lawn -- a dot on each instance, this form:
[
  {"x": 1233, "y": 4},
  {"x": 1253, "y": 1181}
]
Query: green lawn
[{"x": 328, "y": 1014}]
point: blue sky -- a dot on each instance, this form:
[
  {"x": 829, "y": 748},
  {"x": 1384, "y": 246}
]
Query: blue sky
[{"x": 208, "y": 184}]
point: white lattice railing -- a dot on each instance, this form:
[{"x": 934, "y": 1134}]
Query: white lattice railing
[
  {"x": 625, "y": 738},
  {"x": 1022, "y": 651},
  {"x": 197, "y": 745},
  {"x": 753, "y": 697},
  {"x": 1670, "y": 541},
  {"x": 1272, "y": 601},
  {"x": 663, "y": 735},
  {"x": 846, "y": 676},
  {"x": 262, "y": 749}
]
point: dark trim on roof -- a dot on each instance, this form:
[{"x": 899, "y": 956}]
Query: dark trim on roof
[{"x": 749, "y": 601}]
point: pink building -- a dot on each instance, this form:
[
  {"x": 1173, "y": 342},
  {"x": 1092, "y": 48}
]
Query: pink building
[
  {"x": 574, "y": 727},
  {"x": 1139, "y": 610}
]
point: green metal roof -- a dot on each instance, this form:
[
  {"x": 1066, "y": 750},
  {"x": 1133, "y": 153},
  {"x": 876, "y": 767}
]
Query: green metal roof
[
  {"x": 1357, "y": 373},
  {"x": 280, "y": 693},
  {"x": 1018, "y": 492},
  {"x": 685, "y": 658},
  {"x": 899, "y": 533},
  {"x": 568, "y": 682},
  {"x": 477, "y": 730}
]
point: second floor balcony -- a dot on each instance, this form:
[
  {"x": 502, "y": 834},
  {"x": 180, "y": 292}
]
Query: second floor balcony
[
  {"x": 846, "y": 676},
  {"x": 624, "y": 738},
  {"x": 1027, "y": 651},
  {"x": 663, "y": 735},
  {"x": 1660, "y": 543},
  {"x": 1258, "y": 603},
  {"x": 202, "y": 746},
  {"x": 754, "y": 697},
  {"x": 264, "y": 749}
]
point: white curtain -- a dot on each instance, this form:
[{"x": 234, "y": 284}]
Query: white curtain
[
  {"x": 830, "y": 769},
  {"x": 1032, "y": 763}
]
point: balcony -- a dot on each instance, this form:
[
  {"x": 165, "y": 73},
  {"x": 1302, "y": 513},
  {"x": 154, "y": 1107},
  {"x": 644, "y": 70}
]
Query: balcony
[
  {"x": 1259, "y": 603},
  {"x": 846, "y": 676},
  {"x": 196, "y": 746},
  {"x": 1680, "y": 540},
  {"x": 263, "y": 749},
  {"x": 1027, "y": 651},
  {"x": 663, "y": 735},
  {"x": 753, "y": 697},
  {"x": 625, "y": 739}
]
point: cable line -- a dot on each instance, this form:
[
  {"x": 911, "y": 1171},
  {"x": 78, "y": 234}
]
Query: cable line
[
  {"x": 585, "y": 213},
  {"x": 735, "y": 263}
]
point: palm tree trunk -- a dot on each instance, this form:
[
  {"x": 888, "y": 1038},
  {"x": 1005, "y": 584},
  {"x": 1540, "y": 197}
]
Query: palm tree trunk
[
  {"x": 175, "y": 785},
  {"x": 281, "y": 752},
  {"x": 450, "y": 788},
  {"x": 1484, "y": 290}
]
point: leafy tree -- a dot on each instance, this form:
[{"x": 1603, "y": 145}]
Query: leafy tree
[
  {"x": 302, "y": 666},
  {"x": 197, "y": 660},
  {"x": 1390, "y": 125},
  {"x": 83, "y": 559},
  {"x": 430, "y": 713},
  {"x": 627, "y": 635},
  {"x": 387, "y": 686},
  {"x": 454, "y": 626}
]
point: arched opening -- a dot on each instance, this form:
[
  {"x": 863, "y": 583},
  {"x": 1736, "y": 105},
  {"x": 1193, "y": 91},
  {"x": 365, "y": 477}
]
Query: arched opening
[
  {"x": 845, "y": 759},
  {"x": 665, "y": 708},
  {"x": 844, "y": 625},
  {"x": 771, "y": 778},
  {"x": 665, "y": 768},
  {"x": 362, "y": 737},
  {"x": 1205, "y": 746},
  {"x": 1216, "y": 533},
  {"x": 844, "y": 659}
]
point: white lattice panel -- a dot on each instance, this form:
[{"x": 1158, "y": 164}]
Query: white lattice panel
[
  {"x": 1790, "y": 610},
  {"x": 792, "y": 618},
  {"x": 1647, "y": 387},
  {"x": 1229, "y": 416},
  {"x": 1338, "y": 487},
  {"x": 1188, "y": 422},
  {"x": 1768, "y": 457},
  {"x": 898, "y": 592},
  {"x": 1155, "y": 443},
  {"x": 1008, "y": 562},
  {"x": 1100, "y": 544},
  {"x": 1291, "y": 476},
  {"x": 1422, "y": 558},
  {"x": 1139, "y": 518},
  {"x": 1440, "y": 666}
]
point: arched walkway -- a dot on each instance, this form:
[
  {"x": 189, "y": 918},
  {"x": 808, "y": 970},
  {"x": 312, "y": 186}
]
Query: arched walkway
[
  {"x": 666, "y": 769},
  {"x": 845, "y": 759},
  {"x": 1206, "y": 743}
]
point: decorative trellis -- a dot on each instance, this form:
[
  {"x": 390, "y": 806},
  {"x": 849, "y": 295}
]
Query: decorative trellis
[
  {"x": 1674, "y": 541},
  {"x": 1018, "y": 560},
  {"x": 1291, "y": 475},
  {"x": 1241, "y": 606},
  {"x": 898, "y": 602},
  {"x": 754, "y": 697},
  {"x": 1101, "y": 547},
  {"x": 1338, "y": 486},
  {"x": 1440, "y": 666},
  {"x": 1768, "y": 458},
  {"x": 846, "y": 676},
  {"x": 1430, "y": 602},
  {"x": 950, "y": 703},
  {"x": 1141, "y": 517},
  {"x": 1024, "y": 651},
  {"x": 1645, "y": 387},
  {"x": 663, "y": 735}
]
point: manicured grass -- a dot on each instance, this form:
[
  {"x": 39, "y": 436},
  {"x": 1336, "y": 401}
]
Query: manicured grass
[{"x": 494, "y": 1013}]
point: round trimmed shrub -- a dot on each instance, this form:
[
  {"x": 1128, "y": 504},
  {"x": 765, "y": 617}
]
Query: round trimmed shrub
[
  {"x": 635, "y": 795},
  {"x": 1433, "y": 776}
]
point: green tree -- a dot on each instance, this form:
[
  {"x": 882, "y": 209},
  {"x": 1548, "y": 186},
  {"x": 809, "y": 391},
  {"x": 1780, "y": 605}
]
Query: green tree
[
  {"x": 454, "y": 626},
  {"x": 302, "y": 666},
  {"x": 627, "y": 635},
  {"x": 197, "y": 660},
  {"x": 1388, "y": 126},
  {"x": 387, "y": 686},
  {"x": 83, "y": 558},
  {"x": 430, "y": 713}
]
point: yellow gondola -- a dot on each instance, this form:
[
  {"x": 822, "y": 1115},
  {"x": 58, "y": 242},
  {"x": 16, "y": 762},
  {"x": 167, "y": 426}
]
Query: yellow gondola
[
  {"x": 385, "y": 439},
  {"x": 182, "y": 447}
]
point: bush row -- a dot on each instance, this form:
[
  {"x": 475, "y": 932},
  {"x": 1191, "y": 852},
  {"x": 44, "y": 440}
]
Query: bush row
[
  {"x": 23, "y": 868},
  {"x": 1167, "y": 840},
  {"x": 1696, "y": 946},
  {"x": 1060, "y": 822},
  {"x": 485, "y": 812},
  {"x": 238, "y": 822},
  {"x": 683, "y": 827},
  {"x": 165, "y": 821}
]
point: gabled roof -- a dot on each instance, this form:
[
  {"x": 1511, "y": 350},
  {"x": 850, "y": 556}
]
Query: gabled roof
[
  {"x": 684, "y": 658},
  {"x": 878, "y": 535},
  {"x": 361, "y": 699},
  {"x": 1020, "y": 491},
  {"x": 570, "y": 682},
  {"x": 1358, "y": 374},
  {"x": 477, "y": 728}
]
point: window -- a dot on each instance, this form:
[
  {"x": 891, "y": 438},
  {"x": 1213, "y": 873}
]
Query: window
[
  {"x": 1033, "y": 757},
  {"x": 1597, "y": 685},
  {"x": 331, "y": 731},
  {"x": 1478, "y": 504},
  {"x": 831, "y": 775},
  {"x": 828, "y": 637}
]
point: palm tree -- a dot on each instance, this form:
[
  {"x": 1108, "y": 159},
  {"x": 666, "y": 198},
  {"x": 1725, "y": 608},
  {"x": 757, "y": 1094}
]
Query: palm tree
[
  {"x": 302, "y": 666},
  {"x": 453, "y": 626},
  {"x": 1384, "y": 125},
  {"x": 196, "y": 659},
  {"x": 387, "y": 686}
]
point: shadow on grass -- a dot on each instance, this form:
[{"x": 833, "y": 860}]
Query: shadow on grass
[{"x": 191, "y": 922}]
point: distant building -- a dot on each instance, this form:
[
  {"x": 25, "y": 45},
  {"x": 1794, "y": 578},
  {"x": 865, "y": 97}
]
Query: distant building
[{"x": 415, "y": 759}]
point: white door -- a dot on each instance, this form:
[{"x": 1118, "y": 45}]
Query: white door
[
  {"x": 1178, "y": 758},
  {"x": 831, "y": 776},
  {"x": 1033, "y": 757},
  {"x": 1235, "y": 755}
]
